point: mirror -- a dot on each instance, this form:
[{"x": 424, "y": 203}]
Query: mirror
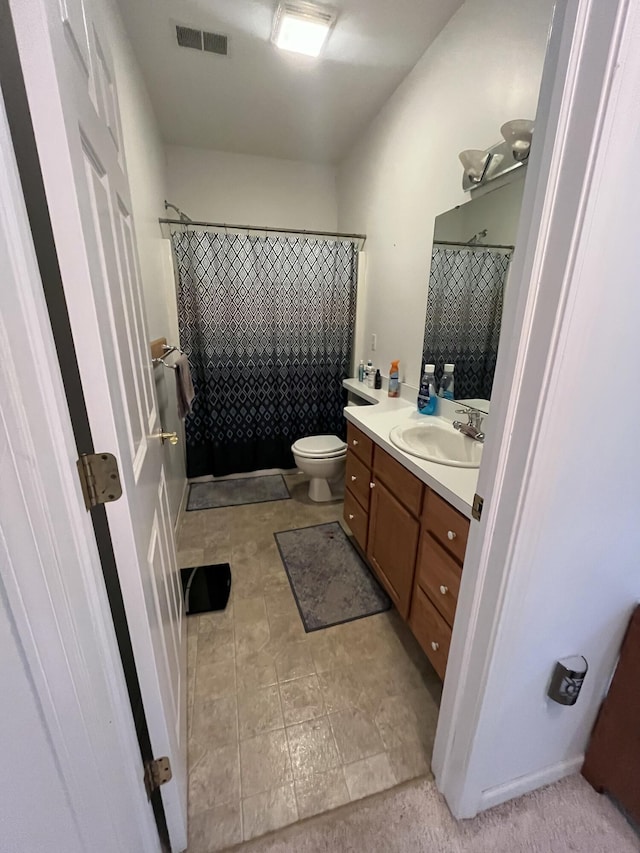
[{"x": 472, "y": 249}]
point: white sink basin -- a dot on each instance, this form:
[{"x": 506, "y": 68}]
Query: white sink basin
[{"x": 437, "y": 442}]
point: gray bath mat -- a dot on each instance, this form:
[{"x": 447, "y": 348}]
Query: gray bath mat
[
  {"x": 330, "y": 582},
  {"x": 247, "y": 490}
]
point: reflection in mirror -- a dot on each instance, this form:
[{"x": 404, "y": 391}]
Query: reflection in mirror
[{"x": 472, "y": 249}]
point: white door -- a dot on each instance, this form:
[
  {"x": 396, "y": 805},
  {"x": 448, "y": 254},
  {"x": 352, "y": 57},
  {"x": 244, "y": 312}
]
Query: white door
[{"x": 74, "y": 106}]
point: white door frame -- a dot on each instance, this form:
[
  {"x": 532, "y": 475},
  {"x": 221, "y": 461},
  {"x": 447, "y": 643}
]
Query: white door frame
[
  {"x": 581, "y": 82},
  {"x": 50, "y": 572}
]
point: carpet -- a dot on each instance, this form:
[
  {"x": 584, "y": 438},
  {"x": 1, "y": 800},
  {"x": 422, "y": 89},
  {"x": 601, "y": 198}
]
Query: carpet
[
  {"x": 567, "y": 817},
  {"x": 330, "y": 582},
  {"x": 245, "y": 490}
]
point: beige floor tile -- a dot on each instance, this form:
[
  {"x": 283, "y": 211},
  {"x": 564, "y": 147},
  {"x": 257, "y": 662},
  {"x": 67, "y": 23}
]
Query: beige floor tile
[
  {"x": 215, "y": 720},
  {"x": 321, "y": 792},
  {"x": 280, "y": 602},
  {"x": 286, "y": 630},
  {"x": 259, "y": 711},
  {"x": 190, "y": 557},
  {"x": 341, "y": 688},
  {"x": 264, "y": 762},
  {"x": 294, "y": 661},
  {"x": 255, "y": 670},
  {"x": 409, "y": 761},
  {"x": 216, "y": 829},
  {"x": 216, "y": 678},
  {"x": 369, "y": 776},
  {"x": 215, "y": 646},
  {"x": 251, "y": 637},
  {"x": 397, "y": 722},
  {"x": 268, "y": 811},
  {"x": 250, "y": 610},
  {"x": 327, "y": 654},
  {"x": 313, "y": 747},
  {"x": 301, "y": 700},
  {"x": 215, "y": 780},
  {"x": 356, "y": 735}
]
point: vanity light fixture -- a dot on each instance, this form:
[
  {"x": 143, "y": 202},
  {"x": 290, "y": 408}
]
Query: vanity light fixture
[
  {"x": 302, "y": 27},
  {"x": 475, "y": 163},
  {"x": 480, "y": 167},
  {"x": 517, "y": 134}
]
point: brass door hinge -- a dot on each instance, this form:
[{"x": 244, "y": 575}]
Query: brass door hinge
[
  {"x": 476, "y": 509},
  {"x": 99, "y": 478},
  {"x": 156, "y": 773}
]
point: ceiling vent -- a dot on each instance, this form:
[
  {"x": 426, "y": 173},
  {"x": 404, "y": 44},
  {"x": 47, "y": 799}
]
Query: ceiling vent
[{"x": 199, "y": 40}]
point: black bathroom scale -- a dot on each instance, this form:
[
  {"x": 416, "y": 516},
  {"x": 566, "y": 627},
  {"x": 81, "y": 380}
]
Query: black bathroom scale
[{"x": 206, "y": 588}]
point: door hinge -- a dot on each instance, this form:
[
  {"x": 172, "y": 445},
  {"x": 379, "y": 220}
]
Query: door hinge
[
  {"x": 99, "y": 478},
  {"x": 156, "y": 773},
  {"x": 476, "y": 509}
]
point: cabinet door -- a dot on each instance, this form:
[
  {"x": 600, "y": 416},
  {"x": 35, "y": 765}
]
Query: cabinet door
[{"x": 392, "y": 545}]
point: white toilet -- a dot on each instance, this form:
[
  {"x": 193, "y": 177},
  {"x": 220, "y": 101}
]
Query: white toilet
[{"x": 322, "y": 457}]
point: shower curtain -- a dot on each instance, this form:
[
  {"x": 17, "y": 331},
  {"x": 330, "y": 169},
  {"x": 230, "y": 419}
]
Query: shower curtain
[
  {"x": 464, "y": 314},
  {"x": 267, "y": 323}
]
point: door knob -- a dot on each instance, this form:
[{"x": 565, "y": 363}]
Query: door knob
[{"x": 171, "y": 437}]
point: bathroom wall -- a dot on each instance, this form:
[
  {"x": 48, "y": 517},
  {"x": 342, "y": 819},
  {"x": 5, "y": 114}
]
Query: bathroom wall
[
  {"x": 483, "y": 69},
  {"x": 217, "y": 186},
  {"x": 145, "y": 158}
]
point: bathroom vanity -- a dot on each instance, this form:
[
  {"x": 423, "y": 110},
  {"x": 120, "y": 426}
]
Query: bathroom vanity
[{"x": 410, "y": 518}]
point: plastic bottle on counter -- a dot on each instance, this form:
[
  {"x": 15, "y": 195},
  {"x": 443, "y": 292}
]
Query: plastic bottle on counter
[
  {"x": 427, "y": 397},
  {"x": 377, "y": 382},
  {"x": 370, "y": 375},
  {"x": 394, "y": 379},
  {"x": 361, "y": 371},
  {"x": 446, "y": 383}
]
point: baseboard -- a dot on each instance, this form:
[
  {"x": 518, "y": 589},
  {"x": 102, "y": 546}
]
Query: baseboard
[{"x": 524, "y": 784}]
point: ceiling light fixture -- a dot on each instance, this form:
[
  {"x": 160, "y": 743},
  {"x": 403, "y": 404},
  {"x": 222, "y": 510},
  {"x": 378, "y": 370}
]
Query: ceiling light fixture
[{"x": 302, "y": 27}]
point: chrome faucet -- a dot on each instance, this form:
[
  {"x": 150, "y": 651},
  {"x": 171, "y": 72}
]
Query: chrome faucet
[{"x": 473, "y": 427}]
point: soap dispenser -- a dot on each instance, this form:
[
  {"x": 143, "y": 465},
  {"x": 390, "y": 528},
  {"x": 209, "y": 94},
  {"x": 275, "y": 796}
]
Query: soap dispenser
[{"x": 427, "y": 397}]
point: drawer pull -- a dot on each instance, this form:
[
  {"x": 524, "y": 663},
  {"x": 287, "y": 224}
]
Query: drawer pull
[
  {"x": 435, "y": 646},
  {"x": 351, "y": 516},
  {"x": 355, "y": 442},
  {"x": 451, "y": 535},
  {"x": 372, "y": 485},
  {"x": 353, "y": 478},
  {"x": 444, "y": 589}
]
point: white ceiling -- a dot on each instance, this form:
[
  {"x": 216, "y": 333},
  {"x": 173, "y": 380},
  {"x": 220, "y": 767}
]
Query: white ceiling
[{"x": 260, "y": 100}]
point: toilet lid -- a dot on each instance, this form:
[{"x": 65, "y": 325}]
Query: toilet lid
[{"x": 324, "y": 446}]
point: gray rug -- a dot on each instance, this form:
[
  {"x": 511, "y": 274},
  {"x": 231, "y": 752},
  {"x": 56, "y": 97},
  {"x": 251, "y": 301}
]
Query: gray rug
[
  {"x": 247, "y": 490},
  {"x": 330, "y": 582}
]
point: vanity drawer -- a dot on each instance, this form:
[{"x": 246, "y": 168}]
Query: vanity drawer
[
  {"x": 357, "y": 478},
  {"x": 402, "y": 483},
  {"x": 360, "y": 444},
  {"x": 438, "y": 574},
  {"x": 446, "y": 524},
  {"x": 430, "y": 630},
  {"x": 357, "y": 519}
]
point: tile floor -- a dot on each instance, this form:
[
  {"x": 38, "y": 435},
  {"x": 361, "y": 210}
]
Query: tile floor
[{"x": 283, "y": 724}]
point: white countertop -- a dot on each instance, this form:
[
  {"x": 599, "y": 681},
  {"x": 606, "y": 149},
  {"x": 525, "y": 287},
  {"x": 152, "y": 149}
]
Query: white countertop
[{"x": 456, "y": 485}]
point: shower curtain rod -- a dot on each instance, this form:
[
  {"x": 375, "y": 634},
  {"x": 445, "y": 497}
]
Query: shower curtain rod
[
  {"x": 191, "y": 224},
  {"x": 471, "y": 245}
]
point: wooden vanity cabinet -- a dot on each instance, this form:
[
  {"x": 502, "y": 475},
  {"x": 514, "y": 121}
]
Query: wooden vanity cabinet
[
  {"x": 394, "y": 527},
  {"x": 443, "y": 541},
  {"x": 412, "y": 538}
]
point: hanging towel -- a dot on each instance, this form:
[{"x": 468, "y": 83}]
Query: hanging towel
[{"x": 184, "y": 386}]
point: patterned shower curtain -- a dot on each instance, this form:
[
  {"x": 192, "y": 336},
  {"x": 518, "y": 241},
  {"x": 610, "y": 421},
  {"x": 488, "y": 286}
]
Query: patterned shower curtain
[
  {"x": 464, "y": 314},
  {"x": 267, "y": 323}
]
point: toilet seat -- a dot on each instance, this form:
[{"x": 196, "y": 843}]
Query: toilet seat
[{"x": 320, "y": 447}]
